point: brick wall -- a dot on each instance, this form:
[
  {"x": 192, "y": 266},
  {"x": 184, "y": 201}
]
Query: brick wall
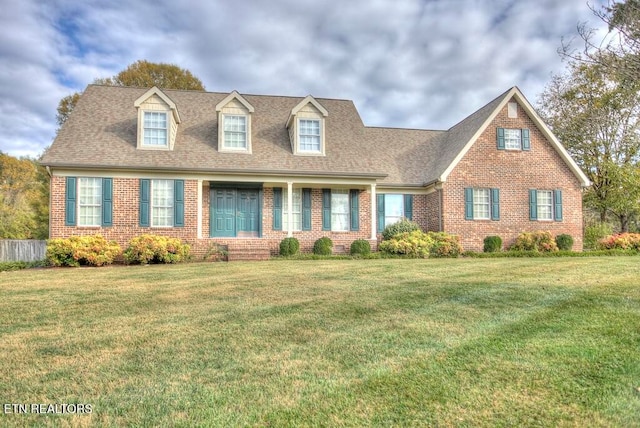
[{"x": 514, "y": 173}]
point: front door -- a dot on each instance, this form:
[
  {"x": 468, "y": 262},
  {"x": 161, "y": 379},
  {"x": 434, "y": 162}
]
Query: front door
[{"x": 235, "y": 212}]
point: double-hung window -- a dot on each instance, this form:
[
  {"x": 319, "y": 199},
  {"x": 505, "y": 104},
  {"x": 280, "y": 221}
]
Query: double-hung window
[
  {"x": 89, "y": 201},
  {"x": 296, "y": 210},
  {"x": 235, "y": 132},
  {"x": 545, "y": 205},
  {"x": 162, "y": 200},
  {"x": 339, "y": 210},
  {"x": 155, "y": 129},
  {"x": 481, "y": 204},
  {"x": 309, "y": 135},
  {"x": 393, "y": 208},
  {"x": 513, "y": 139}
]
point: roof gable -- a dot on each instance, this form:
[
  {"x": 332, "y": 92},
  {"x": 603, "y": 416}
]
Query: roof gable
[
  {"x": 235, "y": 95},
  {"x": 308, "y": 100},
  {"x": 156, "y": 91}
]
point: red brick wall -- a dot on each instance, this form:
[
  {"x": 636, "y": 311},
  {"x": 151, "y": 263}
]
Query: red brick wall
[{"x": 514, "y": 173}]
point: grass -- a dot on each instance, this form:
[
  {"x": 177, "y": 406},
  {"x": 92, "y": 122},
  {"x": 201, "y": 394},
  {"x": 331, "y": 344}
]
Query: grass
[{"x": 466, "y": 342}]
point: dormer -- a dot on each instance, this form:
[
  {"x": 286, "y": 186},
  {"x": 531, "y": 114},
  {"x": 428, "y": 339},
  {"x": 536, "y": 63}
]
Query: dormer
[
  {"x": 306, "y": 126},
  {"x": 158, "y": 120},
  {"x": 234, "y": 124}
]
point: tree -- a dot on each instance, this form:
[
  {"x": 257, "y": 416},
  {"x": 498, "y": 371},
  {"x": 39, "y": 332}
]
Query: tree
[
  {"x": 143, "y": 74},
  {"x": 597, "y": 117}
]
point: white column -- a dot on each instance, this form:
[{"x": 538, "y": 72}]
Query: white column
[
  {"x": 374, "y": 212},
  {"x": 199, "y": 209},
  {"x": 289, "y": 209}
]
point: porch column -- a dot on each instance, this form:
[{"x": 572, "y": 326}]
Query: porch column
[
  {"x": 199, "y": 226},
  {"x": 289, "y": 208},
  {"x": 374, "y": 212}
]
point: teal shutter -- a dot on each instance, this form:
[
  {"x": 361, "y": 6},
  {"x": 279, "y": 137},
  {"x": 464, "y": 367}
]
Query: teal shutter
[
  {"x": 533, "y": 204},
  {"x": 306, "y": 209},
  {"x": 526, "y": 141},
  {"x": 354, "y": 204},
  {"x": 408, "y": 207},
  {"x": 468, "y": 203},
  {"x": 277, "y": 208},
  {"x": 557, "y": 205},
  {"x": 178, "y": 203},
  {"x": 145, "y": 199},
  {"x": 500, "y": 138},
  {"x": 107, "y": 202},
  {"x": 495, "y": 204},
  {"x": 380, "y": 212},
  {"x": 70, "y": 202},
  {"x": 326, "y": 209}
]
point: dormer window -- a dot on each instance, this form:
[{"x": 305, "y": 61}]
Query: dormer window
[
  {"x": 155, "y": 129},
  {"x": 306, "y": 128},
  {"x": 234, "y": 124},
  {"x": 158, "y": 120},
  {"x": 309, "y": 135}
]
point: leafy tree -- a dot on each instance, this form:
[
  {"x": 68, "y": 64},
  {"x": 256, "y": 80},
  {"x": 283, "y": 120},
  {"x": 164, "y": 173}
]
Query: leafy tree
[
  {"x": 143, "y": 74},
  {"x": 597, "y": 117}
]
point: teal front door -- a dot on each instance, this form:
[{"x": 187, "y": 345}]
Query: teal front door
[{"x": 235, "y": 213}]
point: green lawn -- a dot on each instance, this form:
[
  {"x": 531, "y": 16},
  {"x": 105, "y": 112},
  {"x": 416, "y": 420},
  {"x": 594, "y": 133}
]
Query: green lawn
[{"x": 467, "y": 342}]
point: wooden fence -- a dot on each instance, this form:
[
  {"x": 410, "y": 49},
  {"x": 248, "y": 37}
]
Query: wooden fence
[{"x": 14, "y": 250}]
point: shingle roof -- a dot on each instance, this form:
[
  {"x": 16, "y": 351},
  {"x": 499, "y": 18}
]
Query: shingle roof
[{"x": 101, "y": 133}]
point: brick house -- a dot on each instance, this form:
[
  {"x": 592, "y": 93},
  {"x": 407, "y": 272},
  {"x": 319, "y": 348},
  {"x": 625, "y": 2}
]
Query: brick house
[{"x": 246, "y": 171}]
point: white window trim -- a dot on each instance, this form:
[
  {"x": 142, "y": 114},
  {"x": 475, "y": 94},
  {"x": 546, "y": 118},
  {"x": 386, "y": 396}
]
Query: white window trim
[
  {"x": 152, "y": 207},
  {"x": 80, "y": 205},
  {"x": 348, "y": 213},
  {"x": 386, "y": 205},
  {"x": 476, "y": 216},
  {"x": 142, "y": 129},
  {"x": 297, "y": 192},
  {"x": 310, "y": 119},
  {"x": 221, "y": 134},
  {"x": 506, "y": 145},
  {"x": 550, "y": 205}
]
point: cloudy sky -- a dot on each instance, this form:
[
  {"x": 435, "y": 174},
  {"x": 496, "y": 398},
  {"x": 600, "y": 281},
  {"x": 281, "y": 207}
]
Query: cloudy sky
[{"x": 405, "y": 63}]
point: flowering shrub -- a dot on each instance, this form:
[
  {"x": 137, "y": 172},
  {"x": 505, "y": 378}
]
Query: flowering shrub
[
  {"x": 398, "y": 227},
  {"x": 413, "y": 244},
  {"x": 145, "y": 249},
  {"x": 621, "y": 241},
  {"x": 594, "y": 233},
  {"x": 535, "y": 241},
  {"x": 445, "y": 245},
  {"x": 82, "y": 251}
]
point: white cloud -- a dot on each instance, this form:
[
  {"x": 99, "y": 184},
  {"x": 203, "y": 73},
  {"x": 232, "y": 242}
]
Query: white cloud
[{"x": 408, "y": 63}]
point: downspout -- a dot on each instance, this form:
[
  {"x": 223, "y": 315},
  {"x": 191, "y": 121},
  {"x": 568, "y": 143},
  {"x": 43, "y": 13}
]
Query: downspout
[{"x": 440, "y": 210}]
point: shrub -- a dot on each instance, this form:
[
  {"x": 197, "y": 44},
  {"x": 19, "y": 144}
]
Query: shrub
[
  {"x": 399, "y": 227},
  {"x": 445, "y": 245},
  {"x": 594, "y": 233},
  {"x": 412, "y": 244},
  {"x": 145, "y": 249},
  {"x": 535, "y": 241},
  {"x": 564, "y": 242},
  {"x": 82, "y": 251},
  {"x": 323, "y": 246},
  {"x": 621, "y": 241},
  {"x": 289, "y": 247},
  {"x": 361, "y": 247},
  {"x": 492, "y": 244}
]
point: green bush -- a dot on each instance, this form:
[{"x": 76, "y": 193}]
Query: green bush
[
  {"x": 535, "y": 241},
  {"x": 564, "y": 242},
  {"x": 145, "y": 249},
  {"x": 360, "y": 247},
  {"x": 594, "y": 233},
  {"x": 402, "y": 226},
  {"x": 323, "y": 246},
  {"x": 492, "y": 244},
  {"x": 289, "y": 247},
  {"x": 445, "y": 245},
  {"x": 82, "y": 251},
  {"x": 621, "y": 241},
  {"x": 412, "y": 244}
]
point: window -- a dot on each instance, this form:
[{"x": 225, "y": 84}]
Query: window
[
  {"x": 309, "y": 135},
  {"x": 512, "y": 139},
  {"x": 89, "y": 201},
  {"x": 235, "y": 132},
  {"x": 481, "y": 204},
  {"x": 296, "y": 211},
  {"x": 393, "y": 209},
  {"x": 162, "y": 199},
  {"x": 339, "y": 210},
  {"x": 155, "y": 129},
  {"x": 545, "y": 205}
]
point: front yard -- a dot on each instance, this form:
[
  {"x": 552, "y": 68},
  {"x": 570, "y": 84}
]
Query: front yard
[{"x": 464, "y": 342}]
